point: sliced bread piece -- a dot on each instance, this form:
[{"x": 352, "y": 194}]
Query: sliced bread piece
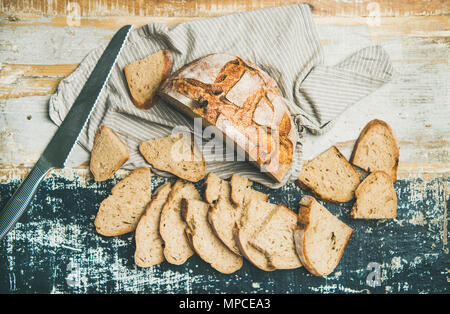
[
  {"x": 254, "y": 214},
  {"x": 223, "y": 214},
  {"x": 241, "y": 191},
  {"x": 145, "y": 76},
  {"x": 176, "y": 154},
  {"x": 377, "y": 149},
  {"x": 320, "y": 238},
  {"x": 330, "y": 177},
  {"x": 204, "y": 241},
  {"x": 276, "y": 239},
  {"x": 149, "y": 245},
  {"x": 375, "y": 198},
  {"x": 171, "y": 226},
  {"x": 120, "y": 212},
  {"x": 108, "y": 154}
]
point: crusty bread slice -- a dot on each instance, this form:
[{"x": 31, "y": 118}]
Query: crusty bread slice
[
  {"x": 145, "y": 76},
  {"x": 320, "y": 238},
  {"x": 171, "y": 226},
  {"x": 276, "y": 239},
  {"x": 241, "y": 191},
  {"x": 176, "y": 154},
  {"x": 375, "y": 198},
  {"x": 149, "y": 245},
  {"x": 254, "y": 214},
  {"x": 330, "y": 177},
  {"x": 120, "y": 212},
  {"x": 204, "y": 241},
  {"x": 108, "y": 154},
  {"x": 223, "y": 214},
  {"x": 377, "y": 149}
]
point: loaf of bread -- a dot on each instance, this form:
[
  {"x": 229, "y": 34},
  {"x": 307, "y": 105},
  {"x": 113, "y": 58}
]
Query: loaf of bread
[
  {"x": 203, "y": 240},
  {"x": 377, "y": 149},
  {"x": 145, "y": 76},
  {"x": 375, "y": 198},
  {"x": 120, "y": 212},
  {"x": 330, "y": 177},
  {"x": 108, "y": 154},
  {"x": 242, "y": 102},
  {"x": 320, "y": 237}
]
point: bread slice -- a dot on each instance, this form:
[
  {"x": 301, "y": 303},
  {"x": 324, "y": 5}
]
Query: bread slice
[
  {"x": 241, "y": 191},
  {"x": 120, "y": 212},
  {"x": 330, "y": 177},
  {"x": 276, "y": 239},
  {"x": 223, "y": 214},
  {"x": 204, "y": 241},
  {"x": 176, "y": 154},
  {"x": 375, "y": 198},
  {"x": 254, "y": 214},
  {"x": 149, "y": 245},
  {"x": 145, "y": 76},
  {"x": 171, "y": 226},
  {"x": 108, "y": 154},
  {"x": 320, "y": 238},
  {"x": 377, "y": 149}
]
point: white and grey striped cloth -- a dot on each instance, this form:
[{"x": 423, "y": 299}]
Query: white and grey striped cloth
[{"x": 283, "y": 41}]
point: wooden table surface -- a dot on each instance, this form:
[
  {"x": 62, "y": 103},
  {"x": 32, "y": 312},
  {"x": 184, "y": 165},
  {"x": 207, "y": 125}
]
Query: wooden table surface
[{"x": 54, "y": 248}]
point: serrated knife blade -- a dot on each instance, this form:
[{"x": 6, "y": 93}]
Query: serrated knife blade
[{"x": 62, "y": 143}]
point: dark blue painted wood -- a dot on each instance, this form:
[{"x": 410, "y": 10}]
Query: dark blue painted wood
[{"x": 54, "y": 248}]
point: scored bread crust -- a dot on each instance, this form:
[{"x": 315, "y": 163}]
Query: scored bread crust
[
  {"x": 100, "y": 158},
  {"x": 165, "y": 72},
  {"x": 300, "y": 236},
  {"x": 396, "y": 153},
  {"x": 242, "y": 102},
  {"x": 149, "y": 245},
  {"x": 352, "y": 179}
]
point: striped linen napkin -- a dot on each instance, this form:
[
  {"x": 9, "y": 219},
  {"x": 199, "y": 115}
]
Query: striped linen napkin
[{"x": 283, "y": 41}]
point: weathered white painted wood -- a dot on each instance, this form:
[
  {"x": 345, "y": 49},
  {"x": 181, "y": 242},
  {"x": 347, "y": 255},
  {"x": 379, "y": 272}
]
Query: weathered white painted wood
[{"x": 416, "y": 103}]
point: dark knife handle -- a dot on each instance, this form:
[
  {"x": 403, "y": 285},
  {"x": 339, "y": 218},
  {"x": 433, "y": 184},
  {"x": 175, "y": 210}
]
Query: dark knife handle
[{"x": 22, "y": 197}]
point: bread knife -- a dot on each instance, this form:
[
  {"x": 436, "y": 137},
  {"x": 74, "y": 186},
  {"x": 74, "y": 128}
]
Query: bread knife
[{"x": 58, "y": 150}]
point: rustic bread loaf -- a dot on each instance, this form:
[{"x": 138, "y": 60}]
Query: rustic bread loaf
[
  {"x": 255, "y": 214},
  {"x": 108, "y": 154},
  {"x": 375, "y": 198},
  {"x": 171, "y": 226},
  {"x": 176, "y": 154},
  {"x": 120, "y": 212},
  {"x": 242, "y": 102},
  {"x": 377, "y": 149},
  {"x": 320, "y": 237},
  {"x": 276, "y": 239},
  {"x": 223, "y": 214},
  {"x": 149, "y": 245},
  {"x": 330, "y": 177},
  {"x": 145, "y": 76},
  {"x": 204, "y": 241}
]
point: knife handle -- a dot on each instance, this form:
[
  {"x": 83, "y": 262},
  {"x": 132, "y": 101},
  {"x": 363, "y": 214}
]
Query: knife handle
[{"x": 22, "y": 197}]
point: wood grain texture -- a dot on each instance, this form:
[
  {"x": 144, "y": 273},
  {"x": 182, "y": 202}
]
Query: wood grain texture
[
  {"x": 202, "y": 8},
  {"x": 42, "y": 42},
  {"x": 54, "y": 248}
]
